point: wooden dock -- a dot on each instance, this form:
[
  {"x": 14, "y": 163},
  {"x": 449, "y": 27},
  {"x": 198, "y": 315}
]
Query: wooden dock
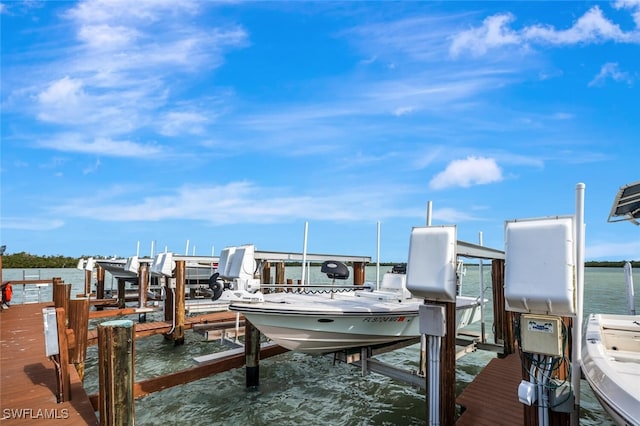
[
  {"x": 28, "y": 377},
  {"x": 492, "y": 398}
]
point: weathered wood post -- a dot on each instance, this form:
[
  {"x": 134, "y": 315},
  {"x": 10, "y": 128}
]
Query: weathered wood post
[
  {"x": 62, "y": 359},
  {"x": 143, "y": 285},
  {"x": 116, "y": 345},
  {"x": 87, "y": 282},
  {"x": 503, "y": 320},
  {"x": 61, "y": 296},
  {"x": 122, "y": 296},
  {"x": 100, "y": 273},
  {"x": 266, "y": 275},
  {"x": 177, "y": 335},
  {"x": 448, "y": 367},
  {"x": 79, "y": 323},
  {"x": 279, "y": 275},
  {"x": 252, "y": 354},
  {"x": 358, "y": 273}
]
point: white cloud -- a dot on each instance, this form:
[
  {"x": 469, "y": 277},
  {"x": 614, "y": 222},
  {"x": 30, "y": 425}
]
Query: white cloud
[
  {"x": 592, "y": 27},
  {"x": 100, "y": 146},
  {"x": 236, "y": 202},
  {"x": 61, "y": 100},
  {"x": 400, "y": 111},
  {"x": 100, "y": 11},
  {"x": 468, "y": 172},
  {"x": 177, "y": 123},
  {"x": 611, "y": 71},
  {"x": 634, "y": 5},
  {"x": 92, "y": 168},
  {"x": 563, "y": 116},
  {"x": 30, "y": 224},
  {"x": 106, "y": 36},
  {"x": 494, "y": 32}
]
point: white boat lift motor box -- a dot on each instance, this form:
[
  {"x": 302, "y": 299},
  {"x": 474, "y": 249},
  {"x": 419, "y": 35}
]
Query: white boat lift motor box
[
  {"x": 431, "y": 267},
  {"x": 540, "y": 266}
]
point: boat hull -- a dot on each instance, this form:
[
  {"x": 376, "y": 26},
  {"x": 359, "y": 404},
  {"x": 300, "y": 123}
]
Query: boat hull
[
  {"x": 311, "y": 324},
  {"x": 611, "y": 364}
]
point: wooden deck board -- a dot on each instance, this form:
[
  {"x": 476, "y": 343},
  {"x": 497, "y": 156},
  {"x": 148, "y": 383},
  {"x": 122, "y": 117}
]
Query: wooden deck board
[
  {"x": 28, "y": 377},
  {"x": 492, "y": 398}
]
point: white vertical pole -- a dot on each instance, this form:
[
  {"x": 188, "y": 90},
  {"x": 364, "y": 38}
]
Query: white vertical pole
[
  {"x": 212, "y": 255},
  {"x": 628, "y": 279},
  {"x": 378, "y": 258},
  {"x": 304, "y": 251},
  {"x": 577, "y": 323},
  {"x": 424, "y": 347},
  {"x": 186, "y": 250},
  {"x": 138, "y": 249},
  {"x": 153, "y": 243},
  {"x": 483, "y": 338}
]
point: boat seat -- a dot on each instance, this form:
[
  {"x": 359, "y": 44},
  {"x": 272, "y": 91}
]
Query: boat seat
[{"x": 335, "y": 270}]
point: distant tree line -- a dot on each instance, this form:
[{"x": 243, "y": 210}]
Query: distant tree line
[{"x": 24, "y": 260}]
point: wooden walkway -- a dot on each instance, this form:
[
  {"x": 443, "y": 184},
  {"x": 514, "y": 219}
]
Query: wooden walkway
[
  {"x": 492, "y": 398},
  {"x": 28, "y": 377}
]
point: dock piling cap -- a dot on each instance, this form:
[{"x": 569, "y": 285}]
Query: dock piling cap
[{"x": 117, "y": 323}]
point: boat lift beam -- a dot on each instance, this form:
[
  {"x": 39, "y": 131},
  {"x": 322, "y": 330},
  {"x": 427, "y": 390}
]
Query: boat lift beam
[{"x": 310, "y": 257}]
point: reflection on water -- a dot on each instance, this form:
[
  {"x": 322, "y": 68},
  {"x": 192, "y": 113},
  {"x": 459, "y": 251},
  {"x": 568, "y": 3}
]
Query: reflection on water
[{"x": 302, "y": 389}]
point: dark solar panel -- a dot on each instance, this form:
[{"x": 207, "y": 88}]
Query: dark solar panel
[{"x": 626, "y": 205}]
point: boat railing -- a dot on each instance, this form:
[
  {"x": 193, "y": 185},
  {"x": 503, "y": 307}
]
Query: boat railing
[{"x": 318, "y": 288}]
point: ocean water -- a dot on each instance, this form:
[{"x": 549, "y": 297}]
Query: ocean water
[{"x": 303, "y": 389}]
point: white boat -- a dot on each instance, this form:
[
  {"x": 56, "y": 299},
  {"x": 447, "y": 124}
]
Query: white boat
[
  {"x": 198, "y": 269},
  {"x": 611, "y": 364},
  {"x": 322, "y": 323},
  {"x": 611, "y": 345}
]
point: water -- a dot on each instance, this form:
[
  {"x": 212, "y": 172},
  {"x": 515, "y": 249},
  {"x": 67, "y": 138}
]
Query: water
[{"x": 303, "y": 389}]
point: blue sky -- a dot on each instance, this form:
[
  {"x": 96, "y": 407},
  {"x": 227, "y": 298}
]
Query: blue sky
[{"x": 224, "y": 123}]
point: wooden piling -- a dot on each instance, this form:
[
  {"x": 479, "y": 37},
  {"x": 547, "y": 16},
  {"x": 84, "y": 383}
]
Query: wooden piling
[
  {"x": 358, "y": 273},
  {"x": 503, "y": 321},
  {"x": 122, "y": 299},
  {"x": 143, "y": 284},
  {"x": 79, "y": 323},
  {"x": 62, "y": 359},
  {"x": 448, "y": 367},
  {"x": 177, "y": 335},
  {"x": 61, "y": 296},
  {"x": 266, "y": 274},
  {"x": 87, "y": 282},
  {"x": 252, "y": 355},
  {"x": 116, "y": 344},
  {"x": 100, "y": 273},
  {"x": 279, "y": 275}
]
